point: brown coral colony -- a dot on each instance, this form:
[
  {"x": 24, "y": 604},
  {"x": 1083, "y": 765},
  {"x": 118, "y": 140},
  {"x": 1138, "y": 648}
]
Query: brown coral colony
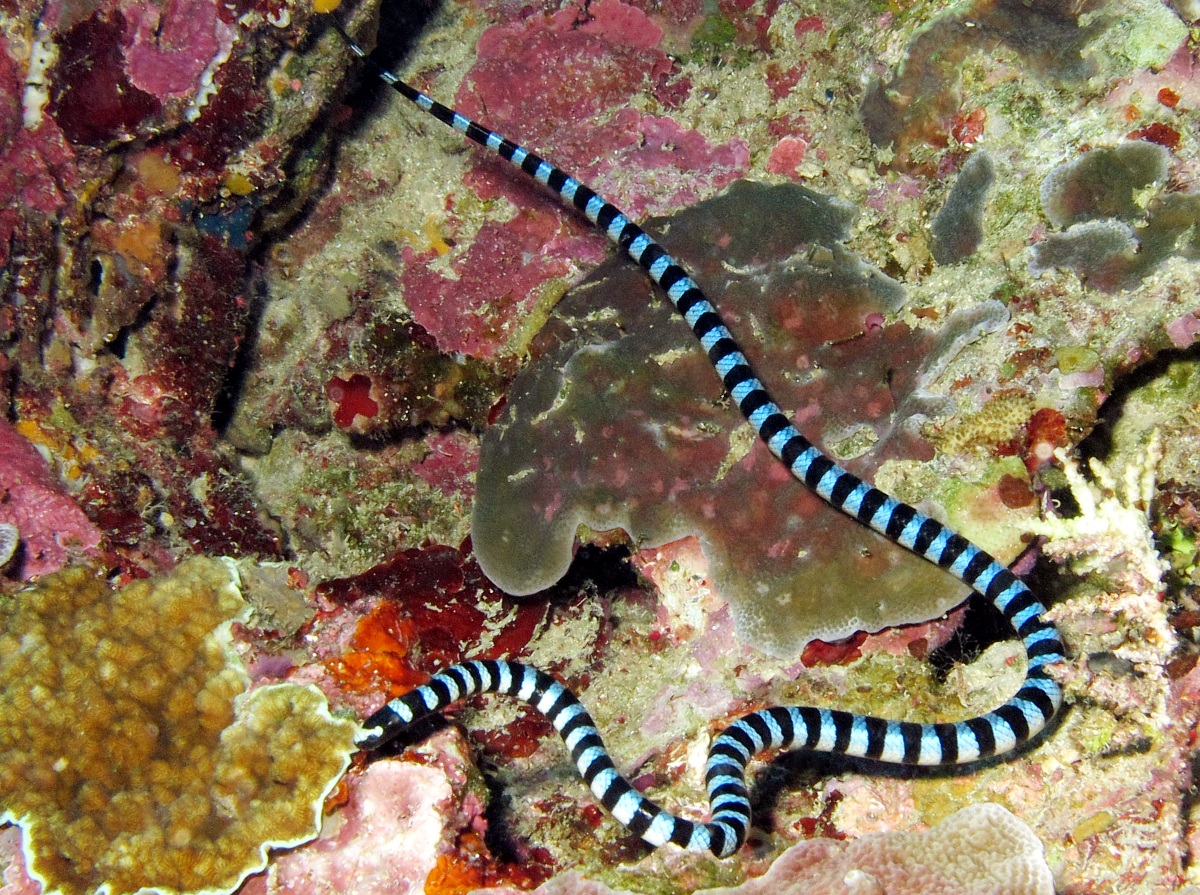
[{"x": 130, "y": 753}]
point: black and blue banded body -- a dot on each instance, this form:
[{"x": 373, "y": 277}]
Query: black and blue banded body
[{"x": 823, "y": 730}]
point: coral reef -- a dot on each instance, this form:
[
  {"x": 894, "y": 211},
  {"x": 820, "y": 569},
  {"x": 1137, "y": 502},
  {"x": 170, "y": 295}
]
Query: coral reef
[
  {"x": 619, "y": 423},
  {"x": 913, "y": 113},
  {"x": 1054, "y": 363},
  {"x": 1111, "y": 532},
  {"x": 993, "y": 424},
  {"x": 1110, "y": 542},
  {"x": 145, "y": 146},
  {"x": 131, "y": 755},
  {"x": 204, "y": 239},
  {"x": 981, "y": 850}
]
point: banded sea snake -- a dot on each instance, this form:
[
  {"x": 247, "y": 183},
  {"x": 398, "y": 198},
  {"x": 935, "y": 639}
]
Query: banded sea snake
[{"x": 823, "y": 730}]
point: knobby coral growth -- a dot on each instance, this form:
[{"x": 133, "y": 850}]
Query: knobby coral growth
[{"x": 130, "y": 753}]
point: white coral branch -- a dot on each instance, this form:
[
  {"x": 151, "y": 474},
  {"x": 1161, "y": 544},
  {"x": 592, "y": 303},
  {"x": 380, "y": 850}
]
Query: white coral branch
[
  {"x": 1112, "y": 535},
  {"x": 1112, "y": 532}
]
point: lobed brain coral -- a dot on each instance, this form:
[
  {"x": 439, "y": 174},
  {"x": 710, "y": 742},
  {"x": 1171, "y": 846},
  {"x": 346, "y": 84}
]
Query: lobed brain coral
[
  {"x": 620, "y": 422},
  {"x": 130, "y": 753}
]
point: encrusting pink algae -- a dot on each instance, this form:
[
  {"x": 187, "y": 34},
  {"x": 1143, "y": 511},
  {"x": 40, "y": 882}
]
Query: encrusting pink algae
[{"x": 252, "y": 312}]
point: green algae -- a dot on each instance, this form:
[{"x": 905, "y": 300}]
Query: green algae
[
  {"x": 1141, "y": 34},
  {"x": 350, "y": 510},
  {"x": 973, "y": 506},
  {"x": 715, "y": 35},
  {"x": 1180, "y": 545},
  {"x": 1077, "y": 358},
  {"x": 1167, "y": 402}
]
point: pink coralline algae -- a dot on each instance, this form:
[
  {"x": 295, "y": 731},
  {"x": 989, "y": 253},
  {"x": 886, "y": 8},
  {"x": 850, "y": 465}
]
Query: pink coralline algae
[
  {"x": 411, "y": 827},
  {"x": 38, "y": 170},
  {"x": 128, "y": 69},
  {"x": 620, "y": 423},
  {"x": 17, "y": 880},
  {"x": 174, "y": 45},
  {"x": 93, "y": 100},
  {"x": 52, "y": 527},
  {"x": 644, "y": 162},
  {"x": 980, "y": 850},
  {"x": 138, "y": 144},
  {"x": 1185, "y": 329},
  {"x": 603, "y": 47},
  {"x": 787, "y": 155},
  {"x": 450, "y": 464},
  {"x": 467, "y": 312},
  {"x": 401, "y": 817}
]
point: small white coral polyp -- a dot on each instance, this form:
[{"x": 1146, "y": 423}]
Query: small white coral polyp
[{"x": 131, "y": 755}]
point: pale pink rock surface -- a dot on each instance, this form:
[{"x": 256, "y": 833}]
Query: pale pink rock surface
[
  {"x": 51, "y": 525},
  {"x": 980, "y": 850},
  {"x": 401, "y": 816},
  {"x": 17, "y": 880}
]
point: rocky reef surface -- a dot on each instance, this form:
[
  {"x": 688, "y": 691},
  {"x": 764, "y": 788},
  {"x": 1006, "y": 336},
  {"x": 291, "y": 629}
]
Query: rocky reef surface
[{"x": 258, "y": 307}]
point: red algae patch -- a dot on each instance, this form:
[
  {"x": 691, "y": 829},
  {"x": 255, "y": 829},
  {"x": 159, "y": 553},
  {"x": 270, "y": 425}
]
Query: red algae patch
[
  {"x": 351, "y": 399},
  {"x": 471, "y": 299},
  {"x": 435, "y": 609}
]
